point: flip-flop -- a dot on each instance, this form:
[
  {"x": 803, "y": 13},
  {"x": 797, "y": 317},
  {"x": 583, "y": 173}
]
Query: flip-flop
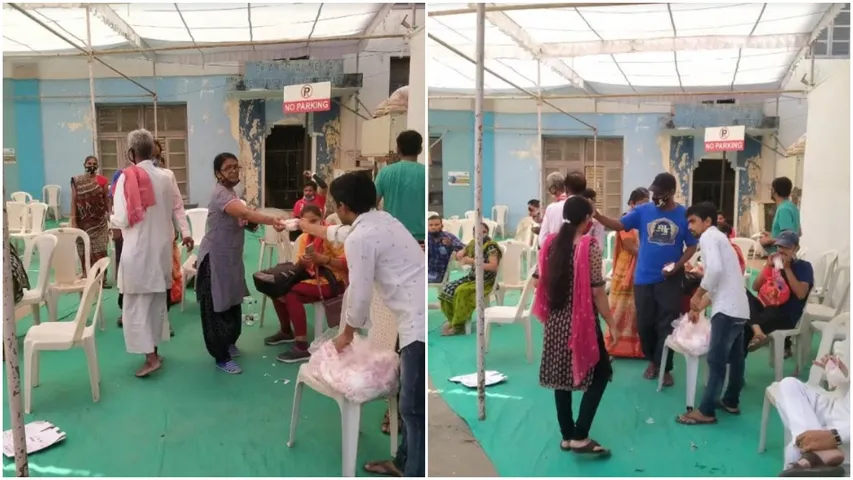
[
  {"x": 757, "y": 344},
  {"x": 816, "y": 468},
  {"x": 685, "y": 419},
  {"x": 147, "y": 370},
  {"x": 589, "y": 450},
  {"x": 384, "y": 467},
  {"x": 728, "y": 409}
]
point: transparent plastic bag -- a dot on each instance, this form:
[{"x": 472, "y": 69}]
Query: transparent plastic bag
[
  {"x": 360, "y": 373},
  {"x": 325, "y": 337},
  {"x": 692, "y": 338}
]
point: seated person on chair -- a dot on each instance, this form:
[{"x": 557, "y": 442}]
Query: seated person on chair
[
  {"x": 314, "y": 253},
  {"x": 819, "y": 420},
  {"x": 459, "y": 298},
  {"x": 313, "y": 193},
  {"x": 441, "y": 246},
  {"x": 782, "y": 293}
]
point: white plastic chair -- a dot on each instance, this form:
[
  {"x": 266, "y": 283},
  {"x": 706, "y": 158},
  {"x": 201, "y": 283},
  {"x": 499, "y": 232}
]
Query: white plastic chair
[
  {"x": 383, "y": 335},
  {"x": 524, "y": 231},
  {"x": 492, "y": 226},
  {"x": 66, "y": 278},
  {"x": 519, "y": 314},
  {"x": 748, "y": 247},
  {"x": 67, "y": 335},
  {"x": 50, "y": 195},
  {"x": 824, "y": 268},
  {"x": 761, "y": 251},
  {"x": 34, "y": 297},
  {"x": 816, "y": 316},
  {"x": 511, "y": 268},
  {"x": 691, "y": 371},
  {"x": 610, "y": 246},
  {"x": 35, "y": 213},
  {"x": 189, "y": 271},
  {"x": 21, "y": 197},
  {"x": 269, "y": 245},
  {"x": 499, "y": 216},
  {"x": 198, "y": 224},
  {"x": 471, "y": 214},
  {"x": 816, "y": 375},
  {"x": 440, "y": 286},
  {"x": 452, "y": 226},
  {"x": 467, "y": 228},
  {"x": 17, "y": 214}
]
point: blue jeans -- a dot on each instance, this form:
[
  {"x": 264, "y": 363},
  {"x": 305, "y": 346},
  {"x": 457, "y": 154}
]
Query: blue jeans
[
  {"x": 411, "y": 456},
  {"x": 727, "y": 347}
]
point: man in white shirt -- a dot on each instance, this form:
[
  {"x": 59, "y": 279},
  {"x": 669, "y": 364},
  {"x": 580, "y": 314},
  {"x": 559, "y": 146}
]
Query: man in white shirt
[
  {"x": 819, "y": 420},
  {"x": 722, "y": 287},
  {"x": 380, "y": 252},
  {"x": 573, "y": 184},
  {"x": 145, "y": 272}
]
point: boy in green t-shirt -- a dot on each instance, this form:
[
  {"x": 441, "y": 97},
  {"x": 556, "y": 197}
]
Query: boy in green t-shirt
[
  {"x": 401, "y": 186},
  {"x": 787, "y": 216}
]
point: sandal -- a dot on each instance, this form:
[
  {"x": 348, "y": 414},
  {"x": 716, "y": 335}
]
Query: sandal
[
  {"x": 591, "y": 449},
  {"x": 816, "y": 468},
  {"x": 689, "y": 419},
  {"x": 728, "y": 409},
  {"x": 651, "y": 372},
  {"x": 384, "y": 467},
  {"x": 757, "y": 343},
  {"x": 448, "y": 330},
  {"x": 386, "y": 423}
]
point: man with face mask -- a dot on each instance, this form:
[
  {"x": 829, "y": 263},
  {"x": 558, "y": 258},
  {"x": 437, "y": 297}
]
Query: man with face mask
[
  {"x": 144, "y": 212},
  {"x": 441, "y": 245},
  {"x": 382, "y": 254},
  {"x": 665, "y": 247}
]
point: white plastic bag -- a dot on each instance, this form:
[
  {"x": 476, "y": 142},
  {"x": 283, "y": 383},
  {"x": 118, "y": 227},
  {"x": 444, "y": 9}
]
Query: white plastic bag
[
  {"x": 360, "y": 373},
  {"x": 398, "y": 102},
  {"x": 692, "y": 338}
]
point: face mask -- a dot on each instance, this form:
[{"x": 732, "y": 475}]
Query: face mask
[
  {"x": 91, "y": 170},
  {"x": 660, "y": 201},
  {"x": 309, "y": 197}
]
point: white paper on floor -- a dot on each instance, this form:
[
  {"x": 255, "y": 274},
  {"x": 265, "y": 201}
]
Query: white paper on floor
[
  {"x": 470, "y": 380},
  {"x": 40, "y": 435}
]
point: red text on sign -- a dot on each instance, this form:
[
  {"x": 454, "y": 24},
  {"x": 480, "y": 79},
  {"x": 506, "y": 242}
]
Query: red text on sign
[{"x": 307, "y": 106}]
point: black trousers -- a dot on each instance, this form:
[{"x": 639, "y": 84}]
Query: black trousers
[
  {"x": 658, "y": 304},
  {"x": 769, "y": 319},
  {"x": 220, "y": 329},
  {"x": 119, "y": 243},
  {"x": 601, "y": 375}
]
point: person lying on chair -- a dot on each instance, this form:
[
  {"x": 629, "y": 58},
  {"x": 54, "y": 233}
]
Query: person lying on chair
[{"x": 819, "y": 420}]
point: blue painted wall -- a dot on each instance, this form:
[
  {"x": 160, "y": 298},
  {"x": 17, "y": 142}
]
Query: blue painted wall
[
  {"x": 22, "y": 130},
  {"x": 54, "y": 135},
  {"x": 510, "y": 157},
  {"x": 11, "y": 181}
]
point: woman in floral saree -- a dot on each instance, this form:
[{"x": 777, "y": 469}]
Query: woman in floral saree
[
  {"x": 622, "y": 289},
  {"x": 90, "y": 211},
  {"x": 459, "y": 298}
]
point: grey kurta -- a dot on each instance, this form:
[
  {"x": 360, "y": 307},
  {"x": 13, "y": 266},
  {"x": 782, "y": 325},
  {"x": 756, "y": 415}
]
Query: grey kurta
[{"x": 223, "y": 246}]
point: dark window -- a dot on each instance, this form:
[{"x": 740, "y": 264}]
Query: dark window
[
  {"x": 399, "y": 73},
  {"x": 834, "y": 41}
]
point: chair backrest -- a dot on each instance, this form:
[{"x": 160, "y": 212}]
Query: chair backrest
[
  {"x": 22, "y": 197},
  {"x": 824, "y": 268},
  {"x": 452, "y": 226},
  {"x": 524, "y": 230},
  {"x": 511, "y": 267},
  {"x": 748, "y": 247},
  {"x": 499, "y": 214},
  {"x": 610, "y": 245},
  {"x": 383, "y": 323},
  {"x": 286, "y": 251},
  {"x": 36, "y": 211},
  {"x": 432, "y": 214},
  {"x": 50, "y": 195},
  {"x": 65, "y": 258},
  {"x": 333, "y": 219},
  {"x": 453, "y": 217},
  {"x": 466, "y": 226},
  {"x": 92, "y": 292},
  {"x": 840, "y": 323},
  {"x": 45, "y": 244},
  {"x": 198, "y": 223},
  {"x": 472, "y": 214},
  {"x": 492, "y": 226},
  {"x": 16, "y": 212},
  {"x": 526, "y": 295},
  {"x": 271, "y": 237},
  {"x": 838, "y": 295}
]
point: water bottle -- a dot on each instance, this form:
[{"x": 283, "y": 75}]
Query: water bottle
[{"x": 249, "y": 314}]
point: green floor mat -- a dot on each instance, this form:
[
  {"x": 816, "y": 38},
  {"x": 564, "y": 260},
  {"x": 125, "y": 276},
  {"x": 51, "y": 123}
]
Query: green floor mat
[{"x": 188, "y": 419}]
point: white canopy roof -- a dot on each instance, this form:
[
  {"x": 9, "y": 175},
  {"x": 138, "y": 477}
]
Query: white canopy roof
[
  {"x": 623, "y": 48},
  {"x": 146, "y": 27}
]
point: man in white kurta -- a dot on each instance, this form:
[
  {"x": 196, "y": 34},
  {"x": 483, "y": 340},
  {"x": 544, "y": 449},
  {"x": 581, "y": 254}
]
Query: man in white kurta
[
  {"x": 145, "y": 273},
  {"x": 819, "y": 420}
]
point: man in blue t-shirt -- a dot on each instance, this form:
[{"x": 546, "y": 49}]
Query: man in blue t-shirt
[
  {"x": 798, "y": 275},
  {"x": 665, "y": 246}
]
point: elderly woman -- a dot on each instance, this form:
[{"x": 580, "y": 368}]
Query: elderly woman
[
  {"x": 90, "y": 210},
  {"x": 221, "y": 278},
  {"x": 326, "y": 267},
  {"x": 458, "y": 298}
]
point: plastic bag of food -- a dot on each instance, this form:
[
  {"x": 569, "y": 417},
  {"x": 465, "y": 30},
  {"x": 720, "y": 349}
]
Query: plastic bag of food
[
  {"x": 360, "y": 373},
  {"x": 398, "y": 102},
  {"x": 692, "y": 338}
]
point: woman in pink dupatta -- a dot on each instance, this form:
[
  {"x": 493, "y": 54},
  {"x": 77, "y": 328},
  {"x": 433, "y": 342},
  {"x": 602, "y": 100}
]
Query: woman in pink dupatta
[{"x": 568, "y": 301}]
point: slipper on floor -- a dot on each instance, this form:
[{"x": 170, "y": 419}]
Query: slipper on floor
[
  {"x": 756, "y": 344},
  {"x": 688, "y": 420}
]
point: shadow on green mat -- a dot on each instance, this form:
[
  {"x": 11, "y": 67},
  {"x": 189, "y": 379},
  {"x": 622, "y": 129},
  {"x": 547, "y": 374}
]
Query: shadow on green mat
[
  {"x": 188, "y": 419},
  {"x": 521, "y": 437}
]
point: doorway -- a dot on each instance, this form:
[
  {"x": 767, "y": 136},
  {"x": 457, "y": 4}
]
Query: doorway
[
  {"x": 714, "y": 181},
  {"x": 285, "y": 159}
]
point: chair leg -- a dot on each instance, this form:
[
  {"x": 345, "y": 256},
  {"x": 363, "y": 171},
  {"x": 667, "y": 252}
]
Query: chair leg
[
  {"x": 263, "y": 310},
  {"x": 529, "y": 339},
  {"x": 350, "y": 423},
  {"x": 393, "y": 410},
  {"x": 765, "y": 418},
  {"x": 36, "y": 309},
  {"x": 487, "y": 335},
  {"x": 319, "y": 318},
  {"x": 294, "y": 416},
  {"x": 94, "y": 373},
  {"x": 51, "y": 300},
  {"x": 30, "y": 375},
  {"x": 662, "y": 362},
  {"x": 261, "y": 260},
  {"x": 778, "y": 359},
  {"x": 692, "y": 364}
]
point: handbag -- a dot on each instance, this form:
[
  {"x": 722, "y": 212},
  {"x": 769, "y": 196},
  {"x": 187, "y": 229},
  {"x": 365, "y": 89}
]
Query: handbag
[
  {"x": 332, "y": 306},
  {"x": 278, "y": 280},
  {"x": 20, "y": 279}
]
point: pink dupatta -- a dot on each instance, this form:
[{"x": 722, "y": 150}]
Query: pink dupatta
[
  {"x": 583, "y": 343},
  {"x": 138, "y": 193}
]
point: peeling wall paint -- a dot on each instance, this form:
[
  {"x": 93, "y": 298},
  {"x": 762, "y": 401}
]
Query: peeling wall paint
[
  {"x": 329, "y": 143},
  {"x": 682, "y": 164},
  {"x": 251, "y": 141},
  {"x": 749, "y": 165}
]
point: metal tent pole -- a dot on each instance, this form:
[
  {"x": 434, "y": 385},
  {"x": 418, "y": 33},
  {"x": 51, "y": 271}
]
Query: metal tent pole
[
  {"x": 539, "y": 127},
  {"x": 91, "y": 63},
  {"x": 595, "y": 150},
  {"x": 478, "y": 207},
  {"x": 154, "y": 98},
  {"x": 10, "y": 354}
]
